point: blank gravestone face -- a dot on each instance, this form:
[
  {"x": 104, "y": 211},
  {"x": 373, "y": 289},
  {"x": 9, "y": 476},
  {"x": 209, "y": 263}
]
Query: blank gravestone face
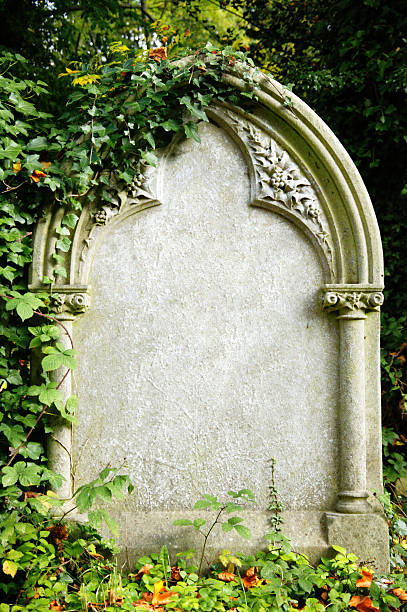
[{"x": 205, "y": 352}]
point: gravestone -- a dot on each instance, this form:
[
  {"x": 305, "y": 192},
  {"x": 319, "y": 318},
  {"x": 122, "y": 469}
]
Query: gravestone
[{"x": 225, "y": 311}]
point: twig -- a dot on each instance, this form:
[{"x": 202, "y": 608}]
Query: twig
[{"x": 9, "y": 188}]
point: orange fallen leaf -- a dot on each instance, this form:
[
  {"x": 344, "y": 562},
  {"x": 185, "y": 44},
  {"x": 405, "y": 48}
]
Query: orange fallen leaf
[
  {"x": 160, "y": 595},
  {"x": 160, "y": 53},
  {"x": 36, "y": 175},
  {"x": 143, "y": 570},
  {"x": 54, "y": 605},
  {"x": 226, "y": 576},
  {"x": 366, "y": 579},
  {"x": 16, "y": 167},
  {"x": 251, "y": 578},
  {"x": 363, "y": 604},
  {"x": 400, "y": 593},
  {"x": 45, "y": 164}
]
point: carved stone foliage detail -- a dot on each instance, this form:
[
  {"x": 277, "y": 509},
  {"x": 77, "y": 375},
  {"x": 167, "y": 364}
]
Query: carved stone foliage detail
[
  {"x": 139, "y": 193},
  {"x": 72, "y": 303},
  {"x": 353, "y": 300},
  {"x": 280, "y": 181}
]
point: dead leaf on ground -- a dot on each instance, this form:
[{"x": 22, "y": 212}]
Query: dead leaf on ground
[
  {"x": 162, "y": 597},
  {"x": 400, "y": 593},
  {"x": 251, "y": 578},
  {"x": 363, "y": 604},
  {"x": 226, "y": 576},
  {"x": 176, "y": 573},
  {"x": 143, "y": 570},
  {"x": 366, "y": 579},
  {"x": 54, "y": 605}
]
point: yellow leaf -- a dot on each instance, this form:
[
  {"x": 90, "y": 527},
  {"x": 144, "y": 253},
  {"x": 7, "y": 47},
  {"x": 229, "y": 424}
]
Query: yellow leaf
[
  {"x": 16, "y": 167},
  {"x": 3, "y": 385},
  {"x": 10, "y": 568}
]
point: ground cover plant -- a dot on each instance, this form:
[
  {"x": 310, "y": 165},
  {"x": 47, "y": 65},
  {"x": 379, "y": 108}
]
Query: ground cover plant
[{"x": 118, "y": 111}]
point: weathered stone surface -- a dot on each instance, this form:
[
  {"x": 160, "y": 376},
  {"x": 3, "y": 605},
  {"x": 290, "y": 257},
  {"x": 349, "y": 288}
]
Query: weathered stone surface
[
  {"x": 361, "y": 534},
  {"x": 226, "y": 310},
  {"x": 206, "y": 351}
]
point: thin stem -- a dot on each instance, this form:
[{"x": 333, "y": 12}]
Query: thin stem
[{"x": 206, "y": 539}]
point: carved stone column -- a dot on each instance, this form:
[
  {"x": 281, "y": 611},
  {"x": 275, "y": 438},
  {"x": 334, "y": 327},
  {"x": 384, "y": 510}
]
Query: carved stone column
[
  {"x": 352, "y": 303},
  {"x": 68, "y": 303}
]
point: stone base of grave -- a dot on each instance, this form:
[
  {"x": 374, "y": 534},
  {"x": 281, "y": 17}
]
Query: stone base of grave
[
  {"x": 366, "y": 535},
  {"x": 311, "y": 532}
]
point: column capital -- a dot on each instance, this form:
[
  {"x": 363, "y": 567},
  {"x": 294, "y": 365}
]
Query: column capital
[
  {"x": 66, "y": 301},
  {"x": 352, "y": 301}
]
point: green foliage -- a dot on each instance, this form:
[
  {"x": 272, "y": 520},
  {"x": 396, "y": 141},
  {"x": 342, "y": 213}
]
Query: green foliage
[
  {"x": 210, "y": 502},
  {"x": 120, "y": 113}
]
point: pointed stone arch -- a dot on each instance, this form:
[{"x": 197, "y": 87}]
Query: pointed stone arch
[{"x": 299, "y": 170}]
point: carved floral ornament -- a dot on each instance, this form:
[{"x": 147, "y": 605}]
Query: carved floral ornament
[
  {"x": 71, "y": 303},
  {"x": 281, "y": 182},
  {"x": 352, "y": 301}
]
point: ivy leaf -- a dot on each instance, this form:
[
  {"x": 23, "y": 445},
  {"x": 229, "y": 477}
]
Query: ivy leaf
[
  {"x": 70, "y": 220},
  {"x": 63, "y": 244},
  {"x": 37, "y": 144},
  {"x": 149, "y": 157},
  {"x": 191, "y": 131},
  {"x": 30, "y": 476},
  {"x": 171, "y": 125},
  {"x": 182, "y": 522},
  {"x": 11, "y": 149},
  {"x": 150, "y": 139}
]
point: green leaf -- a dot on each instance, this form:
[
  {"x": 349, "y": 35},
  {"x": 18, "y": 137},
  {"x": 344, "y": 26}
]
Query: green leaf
[
  {"x": 10, "y": 476},
  {"x": 51, "y": 362},
  {"x": 191, "y": 131},
  {"x": 104, "y": 493},
  {"x": 182, "y": 522},
  {"x": 63, "y": 244},
  {"x": 234, "y": 520},
  {"x": 150, "y": 139},
  {"x": 226, "y": 527},
  {"x": 30, "y": 476},
  {"x": 11, "y": 149},
  {"x": 70, "y": 220},
  {"x": 149, "y": 157},
  {"x": 201, "y": 504},
  {"x": 171, "y": 125},
  {"x": 38, "y": 144},
  {"x": 198, "y": 523},
  {"x": 110, "y": 522},
  {"x": 243, "y": 531}
]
